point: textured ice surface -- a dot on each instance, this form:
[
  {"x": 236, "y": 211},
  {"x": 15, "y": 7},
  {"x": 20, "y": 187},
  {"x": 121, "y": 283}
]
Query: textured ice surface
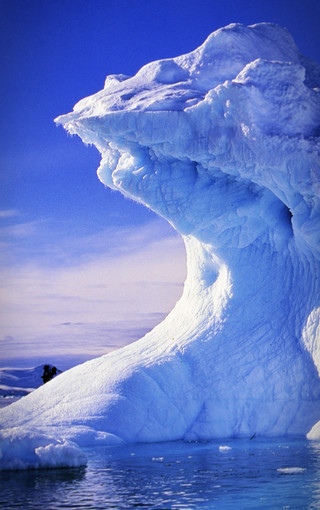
[{"x": 224, "y": 144}]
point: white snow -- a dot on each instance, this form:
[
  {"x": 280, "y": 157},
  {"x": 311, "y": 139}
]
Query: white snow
[{"x": 224, "y": 144}]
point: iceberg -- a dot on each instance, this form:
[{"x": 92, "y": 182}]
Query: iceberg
[{"x": 224, "y": 144}]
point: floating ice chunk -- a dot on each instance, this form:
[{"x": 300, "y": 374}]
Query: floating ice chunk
[
  {"x": 23, "y": 449},
  {"x": 291, "y": 470},
  {"x": 60, "y": 455},
  {"x": 224, "y": 448},
  {"x": 314, "y": 433}
]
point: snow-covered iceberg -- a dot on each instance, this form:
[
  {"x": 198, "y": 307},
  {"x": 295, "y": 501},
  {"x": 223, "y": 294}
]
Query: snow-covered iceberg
[{"x": 224, "y": 143}]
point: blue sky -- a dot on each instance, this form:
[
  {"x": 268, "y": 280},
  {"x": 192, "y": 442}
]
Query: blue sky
[{"x": 84, "y": 270}]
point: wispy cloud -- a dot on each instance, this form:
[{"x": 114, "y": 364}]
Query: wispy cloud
[
  {"x": 8, "y": 213},
  {"x": 20, "y": 230},
  {"x": 110, "y": 288}
]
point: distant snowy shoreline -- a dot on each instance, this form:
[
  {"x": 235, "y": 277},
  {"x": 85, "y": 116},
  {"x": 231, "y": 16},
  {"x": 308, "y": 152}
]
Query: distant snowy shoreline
[{"x": 18, "y": 382}]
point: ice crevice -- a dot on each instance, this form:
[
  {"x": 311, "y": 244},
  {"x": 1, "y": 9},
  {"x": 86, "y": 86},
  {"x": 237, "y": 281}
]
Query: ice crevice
[{"x": 222, "y": 143}]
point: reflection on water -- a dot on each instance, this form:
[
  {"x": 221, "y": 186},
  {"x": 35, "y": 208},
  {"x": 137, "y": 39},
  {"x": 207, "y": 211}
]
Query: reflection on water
[{"x": 247, "y": 475}]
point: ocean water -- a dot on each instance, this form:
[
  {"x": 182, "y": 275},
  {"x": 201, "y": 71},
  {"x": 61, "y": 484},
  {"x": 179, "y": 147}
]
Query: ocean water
[{"x": 230, "y": 474}]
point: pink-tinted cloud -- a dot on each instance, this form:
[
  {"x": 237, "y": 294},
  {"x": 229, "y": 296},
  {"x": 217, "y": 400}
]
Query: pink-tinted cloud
[{"x": 101, "y": 301}]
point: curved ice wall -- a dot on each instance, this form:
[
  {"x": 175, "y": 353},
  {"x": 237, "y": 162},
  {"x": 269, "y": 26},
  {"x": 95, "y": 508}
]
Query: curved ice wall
[{"x": 223, "y": 143}]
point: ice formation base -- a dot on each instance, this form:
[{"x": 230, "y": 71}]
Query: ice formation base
[{"x": 223, "y": 143}]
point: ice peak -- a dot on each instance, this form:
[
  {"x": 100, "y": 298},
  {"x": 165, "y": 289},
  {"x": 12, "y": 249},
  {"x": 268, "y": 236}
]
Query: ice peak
[{"x": 236, "y": 108}]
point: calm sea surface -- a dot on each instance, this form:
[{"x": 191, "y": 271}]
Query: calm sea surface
[{"x": 230, "y": 474}]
